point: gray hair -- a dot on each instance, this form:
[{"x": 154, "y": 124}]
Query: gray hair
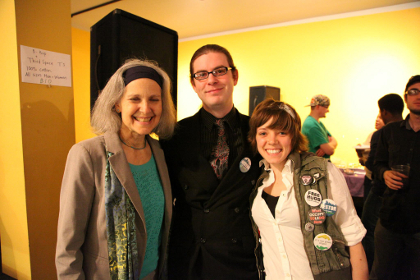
[{"x": 105, "y": 118}]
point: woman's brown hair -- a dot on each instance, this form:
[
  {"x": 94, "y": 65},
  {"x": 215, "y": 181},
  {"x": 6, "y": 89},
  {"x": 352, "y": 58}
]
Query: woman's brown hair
[{"x": 284, "y": 117}]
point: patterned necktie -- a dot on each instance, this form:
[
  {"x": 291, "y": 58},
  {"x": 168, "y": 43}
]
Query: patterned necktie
[{"x": 220, "y": 153}]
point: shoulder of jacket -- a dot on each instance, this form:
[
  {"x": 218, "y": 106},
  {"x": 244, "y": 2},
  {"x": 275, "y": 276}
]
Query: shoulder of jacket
[
  {"x": 91, "y": 145},
  {"x": 307, "y": 158}
]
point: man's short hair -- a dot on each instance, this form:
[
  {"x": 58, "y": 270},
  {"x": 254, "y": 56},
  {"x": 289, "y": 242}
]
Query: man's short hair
[
  {"x": 413, "y": 80},
  {"x": 208, "y": 49},
  {"x": 392, "y": 103}
]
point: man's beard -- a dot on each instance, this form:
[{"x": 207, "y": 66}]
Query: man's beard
[{"x": 415, "y": 112}]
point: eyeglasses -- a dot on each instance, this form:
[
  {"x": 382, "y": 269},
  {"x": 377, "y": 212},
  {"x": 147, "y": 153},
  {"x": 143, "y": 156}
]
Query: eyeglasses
[
  {"x": 221, "y": 71},
  {"x": 412, "y": 92}
]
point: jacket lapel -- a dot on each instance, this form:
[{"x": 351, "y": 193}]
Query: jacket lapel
[
  {"x": 163, "y": 174},
  {"x": 189, "y": 151}
]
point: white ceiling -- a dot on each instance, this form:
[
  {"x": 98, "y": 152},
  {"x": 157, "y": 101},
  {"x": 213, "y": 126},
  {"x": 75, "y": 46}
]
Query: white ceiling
[{"x": 191, "y": 18}]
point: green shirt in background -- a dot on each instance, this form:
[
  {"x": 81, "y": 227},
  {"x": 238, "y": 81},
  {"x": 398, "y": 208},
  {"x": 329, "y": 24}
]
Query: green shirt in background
[{"x": 316, "y": 133}]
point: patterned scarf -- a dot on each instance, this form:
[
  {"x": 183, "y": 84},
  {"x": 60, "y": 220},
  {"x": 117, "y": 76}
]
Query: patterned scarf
[{"x": 120, "y": 227}]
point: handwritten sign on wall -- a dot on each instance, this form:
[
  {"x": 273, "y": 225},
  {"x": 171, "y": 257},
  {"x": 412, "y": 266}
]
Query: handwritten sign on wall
[{"x": 45, "y": 67}]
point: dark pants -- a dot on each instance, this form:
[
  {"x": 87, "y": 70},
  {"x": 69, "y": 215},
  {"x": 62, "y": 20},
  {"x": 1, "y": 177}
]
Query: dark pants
[
  {"x": 370, "y": 216},
  {"x": 390, "y": 248},
  {"x": 367, "y": 185}
]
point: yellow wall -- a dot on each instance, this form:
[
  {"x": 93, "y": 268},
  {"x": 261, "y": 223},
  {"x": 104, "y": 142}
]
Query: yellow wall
[
  {"x": 81, "y": 83},
  {"x": 47, "y": 129},
  {"x": 37, "y": 124},
  {"x": 354, "y": 61},
  {"x": 13, "y": 218}
]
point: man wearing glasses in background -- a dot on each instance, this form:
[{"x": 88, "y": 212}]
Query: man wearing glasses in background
[
  {"x": 212, "y": 171},
  {"x": 397, "y": 233},
  {"x": 321, "y": 142}
]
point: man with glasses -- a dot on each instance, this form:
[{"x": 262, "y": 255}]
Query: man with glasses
[
  {"x": 397, "y": 233},
  {"x": 321, "y": 142},
  {"x": 212, "y": 171}
]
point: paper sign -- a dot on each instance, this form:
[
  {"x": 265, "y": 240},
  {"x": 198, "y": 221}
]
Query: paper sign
[{"x": 45, "y": 67}]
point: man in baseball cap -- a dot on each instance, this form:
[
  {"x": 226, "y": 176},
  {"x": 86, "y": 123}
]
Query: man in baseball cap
[{"x": 321, "y": 142}]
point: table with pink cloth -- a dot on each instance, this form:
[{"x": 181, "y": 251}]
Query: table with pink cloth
[{"x": 355, "y": 181}]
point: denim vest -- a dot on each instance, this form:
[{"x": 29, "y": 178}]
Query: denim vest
[{"x": 335, "y": 262}]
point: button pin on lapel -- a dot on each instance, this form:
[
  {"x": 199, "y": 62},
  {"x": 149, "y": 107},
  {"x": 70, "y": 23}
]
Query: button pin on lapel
[
  {"x": 329, "y": 206},
  {"x": 306, "y": 179},
  {"x": 316, "y": 215},
  {"x": 313, "y": 197},
  {"x": 245, "y": 165},
  {"x": 309, "y": 227},
  {"x": 323, "y": 242}
]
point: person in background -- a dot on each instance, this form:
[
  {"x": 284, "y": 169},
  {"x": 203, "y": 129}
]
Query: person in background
[
  {"x": 116, "y": 202},
  {"x": 391, "y": 107},
  {"x": 301, "y": 205},
  {"x": 397, "y": 233},
  {"x": 212, "y": 172},
  {"x": 363, "y": 155},
  {"x": 321, "y": 142},
  {"x": 379, "y": 123}
]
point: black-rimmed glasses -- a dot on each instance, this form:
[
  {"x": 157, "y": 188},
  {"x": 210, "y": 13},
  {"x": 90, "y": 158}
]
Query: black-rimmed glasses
[{"x": 221, "y": 71}]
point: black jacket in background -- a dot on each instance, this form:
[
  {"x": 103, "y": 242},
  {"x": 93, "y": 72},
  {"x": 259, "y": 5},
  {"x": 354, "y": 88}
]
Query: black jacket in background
[{"x": 399, "y": 144}]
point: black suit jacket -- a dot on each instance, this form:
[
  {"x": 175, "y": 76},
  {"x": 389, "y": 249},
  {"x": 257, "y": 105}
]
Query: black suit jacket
[{"x": 211, "y": 235}]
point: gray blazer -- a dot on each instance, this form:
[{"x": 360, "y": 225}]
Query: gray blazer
[{"x": 82, "y": 250}]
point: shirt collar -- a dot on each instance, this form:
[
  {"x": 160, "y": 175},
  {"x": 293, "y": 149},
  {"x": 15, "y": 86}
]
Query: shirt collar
[
  {"x": 209, "y": 120},
  {"x": 288, "y": 167},
  {"x": 406, "y": 123}
]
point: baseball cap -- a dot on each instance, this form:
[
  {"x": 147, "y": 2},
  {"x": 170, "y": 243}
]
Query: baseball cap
[
  {"x": 319, "y": 99},
  {"x": 413, "y": 80}
]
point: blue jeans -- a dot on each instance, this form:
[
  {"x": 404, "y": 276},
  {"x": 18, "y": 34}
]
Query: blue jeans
[{"x": 370, "y": 217}]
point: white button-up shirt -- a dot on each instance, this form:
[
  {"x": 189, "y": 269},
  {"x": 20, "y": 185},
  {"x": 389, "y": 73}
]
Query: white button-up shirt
[{"x": 281, "y": 236}]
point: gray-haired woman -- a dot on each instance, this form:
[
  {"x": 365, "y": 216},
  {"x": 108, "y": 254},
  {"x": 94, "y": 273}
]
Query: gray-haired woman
[{"x": 115, "y": 206}]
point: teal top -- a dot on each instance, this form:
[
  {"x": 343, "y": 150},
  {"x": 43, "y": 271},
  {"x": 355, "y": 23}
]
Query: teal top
[
  {"x": 150, "y": 189},
  {"x": 316, "y": 133}
]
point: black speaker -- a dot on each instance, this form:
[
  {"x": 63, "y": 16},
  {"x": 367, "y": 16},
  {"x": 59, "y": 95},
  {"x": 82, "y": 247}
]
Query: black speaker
[
  {"x": 258, "y": 93},
  {"x": 120, "y": 36}
]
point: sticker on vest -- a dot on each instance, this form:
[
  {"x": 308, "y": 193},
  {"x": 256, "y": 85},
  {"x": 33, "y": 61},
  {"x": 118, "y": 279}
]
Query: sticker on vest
[
  {"x": 309, "y": 227},
  {"x": 317, "y": 215},
  {"x": 313, "y": 197},
  {"x": 329, "y": 206},
  {"x": 245, "y": 165},
  {"x": 306, "y": 179},
  {"x": 323, "y": 242}
]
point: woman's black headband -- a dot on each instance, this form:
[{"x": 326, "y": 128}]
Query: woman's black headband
[{"x": 139, "y": 72}]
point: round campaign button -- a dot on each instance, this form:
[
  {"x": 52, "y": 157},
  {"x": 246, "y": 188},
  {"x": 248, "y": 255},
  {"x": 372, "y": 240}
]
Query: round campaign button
[
  {"x": 245, "y": 165},
  {"x": 313, "y": 197},
  {"x": 306, "y": 179},
  {"x": 323, "y": 242},
  {"x": 329, "y": 206},
  {"x": 309, "y": 227},
  {"x": 317, "y": 216}
]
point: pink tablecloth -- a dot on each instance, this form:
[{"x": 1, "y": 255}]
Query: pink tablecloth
[{"x": 355, "y": 182}]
